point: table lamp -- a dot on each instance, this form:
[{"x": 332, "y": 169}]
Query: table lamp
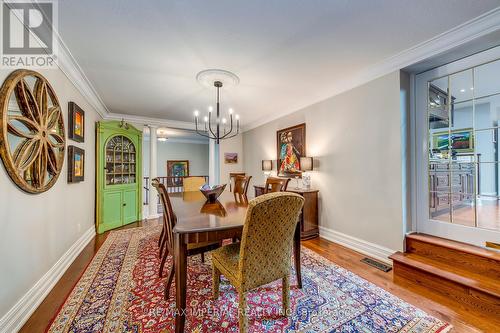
[
  {"x": 306, "y": 164},
  {"x": 267, "y": 167}
]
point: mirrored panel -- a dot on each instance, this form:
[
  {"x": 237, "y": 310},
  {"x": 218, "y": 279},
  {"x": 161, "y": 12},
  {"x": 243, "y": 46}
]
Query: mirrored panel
[
  {"x": 487, "y": 184},
  {"x": 488, "y": 213},
  {"x": 486, "y": 79},
  {"x": 461, "y": 86},
  {"x": 438, "y": 110}
]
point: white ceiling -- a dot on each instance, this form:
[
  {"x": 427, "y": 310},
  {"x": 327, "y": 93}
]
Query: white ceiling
[{"x": 142, "y": 56}]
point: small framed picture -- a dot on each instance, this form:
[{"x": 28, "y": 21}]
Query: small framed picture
[
  {"x": 76, "y": 118},
  {"x": 76, "y": 164},
  {"x": 231, "y": 158}
]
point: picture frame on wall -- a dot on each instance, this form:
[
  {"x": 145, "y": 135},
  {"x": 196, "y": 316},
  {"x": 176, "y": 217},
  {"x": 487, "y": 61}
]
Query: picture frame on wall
[
  {"x": 291, "y": 146},
  {"x": 76, "y": 164},
  {"x": 76, "y": 119},
  {"x": 231, "y": 158},
  {"x": 177, "y": 168}
]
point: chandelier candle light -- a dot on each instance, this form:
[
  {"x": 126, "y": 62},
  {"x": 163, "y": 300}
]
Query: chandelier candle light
[{"x": 219, "y": 130}]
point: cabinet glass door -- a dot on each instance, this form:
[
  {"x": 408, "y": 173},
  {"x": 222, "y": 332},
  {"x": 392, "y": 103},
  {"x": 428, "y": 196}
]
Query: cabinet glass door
[{"x": 120, "y": 161}]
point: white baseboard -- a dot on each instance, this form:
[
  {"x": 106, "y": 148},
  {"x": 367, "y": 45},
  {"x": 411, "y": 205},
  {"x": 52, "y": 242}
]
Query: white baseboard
[
  {"x": 15, "y": 318},
  {"x": 370, "y": 249},
  {"x": 153, "y": 216}
]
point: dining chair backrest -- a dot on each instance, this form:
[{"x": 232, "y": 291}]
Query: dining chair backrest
[
  {"x": 193, "y": 183},
  {"x": 241, "y": 186},
  {"x": 267, "y": 238},
  {"x": 168, "y": 216},
  {"x": 275, "y": 184},
  {"x": 232, "y": 179}
]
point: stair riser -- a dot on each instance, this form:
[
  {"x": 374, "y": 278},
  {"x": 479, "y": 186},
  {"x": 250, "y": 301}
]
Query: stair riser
[
  {"x": 446, "y": 255},
  {"x": 464, "y": 295}
]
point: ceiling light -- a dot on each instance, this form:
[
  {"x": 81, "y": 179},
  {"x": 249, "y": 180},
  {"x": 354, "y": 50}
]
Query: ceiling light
[
  {"x": 162, "y": 139},
  {"x": 462, "y": 90},
  {"x": 212, "y": 126}
]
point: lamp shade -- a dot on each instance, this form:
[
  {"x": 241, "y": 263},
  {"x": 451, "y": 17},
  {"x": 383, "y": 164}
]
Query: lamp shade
[
  {"x": 267, "y": 165},
  {"x": 306, "y": 163}
]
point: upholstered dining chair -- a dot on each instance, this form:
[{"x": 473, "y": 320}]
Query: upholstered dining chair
[
  {"x": 193, "y": 183},
  {"x": 275, "y": 184},
  {"x": 167, "y": 236},
  {"x": 241, "y": 187},
  {"x": 264, "y": 253}
]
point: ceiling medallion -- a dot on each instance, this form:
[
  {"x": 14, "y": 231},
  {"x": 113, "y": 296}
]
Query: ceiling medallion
[
  {"x": 217, "y": 128},
  {"x": 207, "y": 78},
  {"x": 32, "y": 139}
]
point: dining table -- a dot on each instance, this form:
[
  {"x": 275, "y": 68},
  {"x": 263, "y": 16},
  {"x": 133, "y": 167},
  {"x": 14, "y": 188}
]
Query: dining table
[{"x": 200, "y": 221}]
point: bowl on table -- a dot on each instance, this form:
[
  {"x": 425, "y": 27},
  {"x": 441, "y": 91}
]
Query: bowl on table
[{"x": 212, "y": 192}]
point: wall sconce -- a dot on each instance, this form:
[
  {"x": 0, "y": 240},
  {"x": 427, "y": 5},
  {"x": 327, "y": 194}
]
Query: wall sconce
[
  {"x": 267, "y": 167},
  {"x": 306, "y": 164}
]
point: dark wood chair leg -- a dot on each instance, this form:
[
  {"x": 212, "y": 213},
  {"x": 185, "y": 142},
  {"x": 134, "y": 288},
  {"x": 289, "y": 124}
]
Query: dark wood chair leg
[
  {"x": 203, "y": 257},
  {"x": 180, "y": 283},
  {"x": 163, "y": 244},
  {"x": 163, "y": 260},
  {"x": 160, "y": 240},
  {"x": 168, "y": 285},
  {"x": 296, "y": 253}
]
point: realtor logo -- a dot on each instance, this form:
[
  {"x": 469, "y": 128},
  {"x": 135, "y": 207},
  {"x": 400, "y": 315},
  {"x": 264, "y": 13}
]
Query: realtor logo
[{"x": 28, "y": 34}]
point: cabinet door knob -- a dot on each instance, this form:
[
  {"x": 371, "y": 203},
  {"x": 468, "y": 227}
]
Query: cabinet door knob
[{"x": 124, "y": 204}]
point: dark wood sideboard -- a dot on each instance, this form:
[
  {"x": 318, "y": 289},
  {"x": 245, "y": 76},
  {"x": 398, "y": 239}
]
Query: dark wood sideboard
[{"x": 309, "y": 217}]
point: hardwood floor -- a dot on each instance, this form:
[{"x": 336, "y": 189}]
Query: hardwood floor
[{"x": 432, "y": 303}]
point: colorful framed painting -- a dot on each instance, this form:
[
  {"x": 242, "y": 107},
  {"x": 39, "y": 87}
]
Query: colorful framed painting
[
  {"x": 76, "y": 118},
  {"x": 231, "y": 158},
  {"x": 291, "y": 145},
  {"x": 177, "y": 168},
  {"x": 76, "y": 164},
  {"x": 462, "y": 141}
]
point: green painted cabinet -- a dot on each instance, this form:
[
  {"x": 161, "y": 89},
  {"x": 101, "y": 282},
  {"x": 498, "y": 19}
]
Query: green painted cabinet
[{"x": 119, "y": 179}]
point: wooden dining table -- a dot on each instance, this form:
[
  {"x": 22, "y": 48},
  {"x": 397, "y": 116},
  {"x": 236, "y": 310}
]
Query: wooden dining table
[{"x": 199, "y": 221}]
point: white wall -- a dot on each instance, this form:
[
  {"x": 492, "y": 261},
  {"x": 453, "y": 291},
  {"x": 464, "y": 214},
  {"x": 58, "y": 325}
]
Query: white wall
[
  {"x": 36, "y": 230},
  {"x": 195, "y": 153},
  {"x": 233, "y": 145},
  {"x": 355, "y": 138}
]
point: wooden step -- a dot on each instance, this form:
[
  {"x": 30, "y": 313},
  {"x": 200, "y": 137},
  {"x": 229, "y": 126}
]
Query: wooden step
[
  {"x": 467, "y": 257},
  {"x": 480, "y": 292}
]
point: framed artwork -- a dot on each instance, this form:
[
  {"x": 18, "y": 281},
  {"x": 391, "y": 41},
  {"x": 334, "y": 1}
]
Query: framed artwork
[
  {"x": 230, "y": 158},
  {"x": 177, "y": 168},
  {"x": 462, "y": 141},
  {"x": 291, "y": 145},
  {"x": 76, "y": 164},
  {"x": 76, "y": 120}
]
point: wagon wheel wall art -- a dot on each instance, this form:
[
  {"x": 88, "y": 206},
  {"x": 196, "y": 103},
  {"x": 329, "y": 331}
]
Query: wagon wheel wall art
[{"x": 31, "y": 131}]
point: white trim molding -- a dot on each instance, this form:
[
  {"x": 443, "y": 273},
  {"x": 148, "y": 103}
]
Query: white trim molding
[
  {"x": 477, "y": 27},
  {"x": 359, "y": 245},
  {"x": 15, "y": 318}
]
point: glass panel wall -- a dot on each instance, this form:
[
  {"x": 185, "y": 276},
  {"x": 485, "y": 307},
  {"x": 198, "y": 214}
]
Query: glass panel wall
[{"x": 463, "y": 119}]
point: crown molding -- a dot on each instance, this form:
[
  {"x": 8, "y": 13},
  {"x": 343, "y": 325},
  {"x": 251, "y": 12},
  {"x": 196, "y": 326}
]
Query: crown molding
[
  {"x": 70, "y": 67},
  {"x": 141, "y": 120},
  {"x": 459, "y": 35}
]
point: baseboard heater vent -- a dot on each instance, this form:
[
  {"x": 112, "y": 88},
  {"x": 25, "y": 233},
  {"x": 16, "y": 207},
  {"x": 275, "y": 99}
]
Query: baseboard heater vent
[{"x": 377, "y": 264}]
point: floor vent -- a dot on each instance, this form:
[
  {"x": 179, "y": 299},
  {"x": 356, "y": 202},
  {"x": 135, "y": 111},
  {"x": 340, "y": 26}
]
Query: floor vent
[{"x": 377, "y": 264}]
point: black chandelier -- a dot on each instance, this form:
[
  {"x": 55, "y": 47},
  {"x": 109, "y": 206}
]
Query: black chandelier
[{"x": 217, "y": 133}]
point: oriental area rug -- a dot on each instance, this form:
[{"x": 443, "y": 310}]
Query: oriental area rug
[{"x": 120, "y": 291}]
